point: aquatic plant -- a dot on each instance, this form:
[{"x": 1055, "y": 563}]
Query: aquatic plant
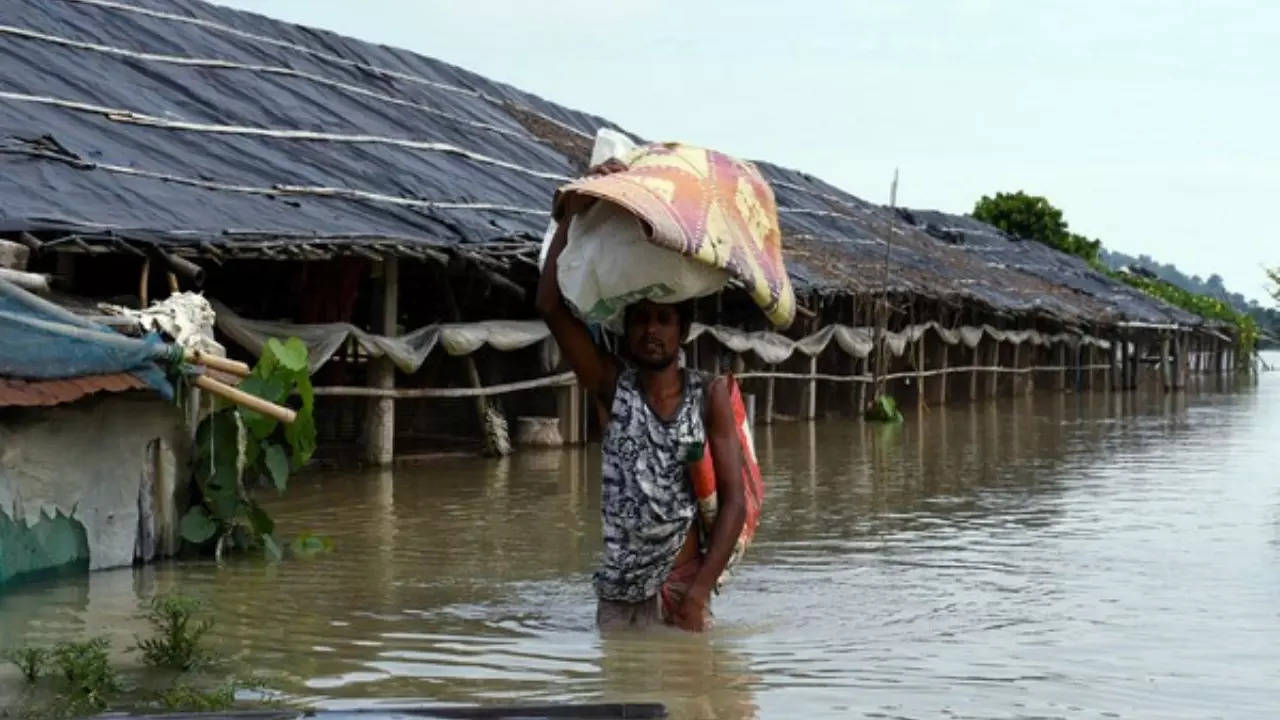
[
  {"x": 178, "y": 633},
  {"x": 884, "y": 409},
  {"x": 30, "y": 661},
  {"x": 182, "y": 697},
  {"x": 234, "y": 443},
  {"x": 90, "y": 679}
]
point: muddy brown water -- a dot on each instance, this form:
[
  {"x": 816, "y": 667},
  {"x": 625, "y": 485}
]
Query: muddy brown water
[{"x": 1052, "y": 556}]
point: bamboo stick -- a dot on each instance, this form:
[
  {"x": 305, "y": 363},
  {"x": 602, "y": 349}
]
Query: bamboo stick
[
  {"x": 561, "y": 380},
  {"x": 244, "y": 399},
  {"x": 234, "y": 367}
]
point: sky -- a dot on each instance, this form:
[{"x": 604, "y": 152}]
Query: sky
[{"x": 1154, "y": 126}]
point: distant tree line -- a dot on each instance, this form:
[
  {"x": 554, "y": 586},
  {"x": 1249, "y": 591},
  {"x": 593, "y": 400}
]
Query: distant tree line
[{"x": 1033, "y": 217}]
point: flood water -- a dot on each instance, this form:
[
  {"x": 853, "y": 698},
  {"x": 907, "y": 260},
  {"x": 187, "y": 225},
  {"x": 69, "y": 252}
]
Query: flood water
[{"x": 1055, "y": 556}]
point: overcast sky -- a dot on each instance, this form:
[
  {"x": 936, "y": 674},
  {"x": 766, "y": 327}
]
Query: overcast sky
[{"x": 1155, "y": 126}]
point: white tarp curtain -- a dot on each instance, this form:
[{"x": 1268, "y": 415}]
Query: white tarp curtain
[{"x": 408, "y": 351}]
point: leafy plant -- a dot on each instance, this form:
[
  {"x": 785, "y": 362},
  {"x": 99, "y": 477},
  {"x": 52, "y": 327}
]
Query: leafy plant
[
  {"x": 91, "y": 681},
  {"x": 182, "y": 697},
  {"x": 1273, "y": 274},
  {"x": 1247, "y": 332},
  {"x": 30, "y": 661},
  {"x": 884, "y": 409},
  {"x": 235, "y": 443},
  {"x": 178, "y": 633}
]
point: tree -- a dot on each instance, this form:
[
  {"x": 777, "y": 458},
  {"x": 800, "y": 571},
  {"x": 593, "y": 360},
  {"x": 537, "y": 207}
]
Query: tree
[
  {"x": 1032, "y": 217},
  {"x": 1274, "y": 275}
]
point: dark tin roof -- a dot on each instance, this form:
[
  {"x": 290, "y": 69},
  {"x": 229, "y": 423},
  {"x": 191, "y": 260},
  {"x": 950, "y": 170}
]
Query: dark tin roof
[{"x": 205, "y": 129}]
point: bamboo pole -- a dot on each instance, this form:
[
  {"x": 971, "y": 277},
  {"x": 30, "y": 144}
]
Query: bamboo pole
[
  {"x": 1126, "y": 371},
  {"x": 942, "y": 379},
  {"x": 560, "y": 380},
  {"x": 767, "y": 418},
  {"x": 855, "y": 389},
  {"x": 234, "y": 367},
  {"x": 812, "y": 410},
  {"x": 1017, "y": 363},
  {"x": 920, "y": 372},
  {"x": 1166, "y": 380},
  {"x": 994, "y": 363},
  {"x": 244, "y": 399},
  {"x": 973, "y": 374},
  {"x": 1062, "y": 360}
]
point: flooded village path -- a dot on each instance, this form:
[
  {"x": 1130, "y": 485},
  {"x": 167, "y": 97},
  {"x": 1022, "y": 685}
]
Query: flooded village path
[{"x": 1057, "y": 556}]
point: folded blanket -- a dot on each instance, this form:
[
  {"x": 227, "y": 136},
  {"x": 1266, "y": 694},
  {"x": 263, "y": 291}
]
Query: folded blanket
[{"x": 706, "y": 206}]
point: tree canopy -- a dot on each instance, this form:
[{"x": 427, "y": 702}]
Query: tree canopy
[{"x": 1032, "y": 217}]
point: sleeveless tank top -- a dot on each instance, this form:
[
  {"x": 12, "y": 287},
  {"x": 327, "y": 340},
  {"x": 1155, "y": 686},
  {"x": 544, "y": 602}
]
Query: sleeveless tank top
[{"x": 647, "y": 502}]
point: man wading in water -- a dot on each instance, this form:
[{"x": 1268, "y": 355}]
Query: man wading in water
[{"x": 657, "y": 417}]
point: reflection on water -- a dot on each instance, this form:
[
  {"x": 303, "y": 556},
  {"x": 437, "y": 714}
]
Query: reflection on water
[{"x": 1046, "y": 556}]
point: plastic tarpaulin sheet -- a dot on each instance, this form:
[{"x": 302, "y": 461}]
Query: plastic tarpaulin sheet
[
  {"x": 407, "y": 351},
  {"x": 42, "y": 341},
  {"x": 410, "y": 350}
]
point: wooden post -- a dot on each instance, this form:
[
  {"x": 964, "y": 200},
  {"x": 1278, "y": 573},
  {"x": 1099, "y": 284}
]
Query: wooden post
[
  {"x": 473, "y": 372},
  {"x": 1126, "y": 371},
  {"x": 1014, "y": 378},
  {"x": 854, "y": 387},
  {"x": 1062, "y": 365},
  {"x": 1165, "y": 376},
  {"x": 942, "y": 379},
  {"x": 767, "y": 417},
  {"x": 1179, "y": 360},
  {"x": 992, "y": 375},
  {"x": 920, "y": 373},
  {"x": 812, "y": 410},
  {"x": 973, "y": 374},
  {"x": 381, "y": 424}
]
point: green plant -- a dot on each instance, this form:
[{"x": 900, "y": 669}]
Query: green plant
[
  {"x": 1273, "y": 274},
  {"x": 91, "y": 681},
  {"x": 234, "y": 443},
  {"x": 884, "y": 409},
  {"x": 178, "y": 633},
  {"x": 30, "y": 661},
  {"x": 1211, "y": 308},
  {"x": 182, "y": 697}
]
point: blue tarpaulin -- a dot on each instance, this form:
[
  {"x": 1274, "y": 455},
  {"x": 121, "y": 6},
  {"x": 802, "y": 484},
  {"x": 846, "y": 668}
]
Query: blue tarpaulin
[{"x": 42, "y": 341}]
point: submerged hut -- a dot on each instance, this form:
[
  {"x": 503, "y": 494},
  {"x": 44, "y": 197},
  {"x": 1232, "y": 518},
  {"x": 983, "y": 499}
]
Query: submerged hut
[
  {"x": 93, "y": 455},
  {"x": 388, "y": 208}
]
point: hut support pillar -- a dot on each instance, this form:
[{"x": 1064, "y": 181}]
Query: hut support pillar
[
  {"x": 973, "y": 374},
  {"x": 811, "y": 411},
  {"x": 1180, "y": 347},
  {"x": 1166, "y": 379},
  {"x": 767, "y": 417},
  {"x": 1015, "y": 381},
  {"x": 1062, "y": 364},
  {"x": 942, "y": 378},
  {"x": 1125, "y": 369},
  {"x": 992, "y": 375},
  {"x": 920, "y": 373},
  {"x": 381, "y": 425}
]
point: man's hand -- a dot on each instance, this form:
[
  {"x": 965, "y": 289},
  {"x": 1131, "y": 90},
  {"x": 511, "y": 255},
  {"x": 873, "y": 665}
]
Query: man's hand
[{"x": 692, "y": 615}]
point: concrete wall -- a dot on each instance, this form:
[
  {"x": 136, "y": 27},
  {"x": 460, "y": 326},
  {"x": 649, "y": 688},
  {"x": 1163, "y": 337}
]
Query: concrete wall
[{"x": 99, "y": 483}]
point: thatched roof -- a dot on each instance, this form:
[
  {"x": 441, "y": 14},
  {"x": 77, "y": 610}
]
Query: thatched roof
[{"x": 205, "y": 130}]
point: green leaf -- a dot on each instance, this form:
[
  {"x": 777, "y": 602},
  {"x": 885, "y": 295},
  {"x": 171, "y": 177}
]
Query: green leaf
[
  {"x": 260, "y": 521},
  {"x": 223, "y": 499},
  {"x": 196, "y": 526},
  {"x": 270, "y": 388},
  {"x": 277, "y": 463},
  {"x": 291, "y": 354},
  {"x": 272, "y": 549},
  {"x": 301, "y": 435},
  {"x": 308, "y": 544}
]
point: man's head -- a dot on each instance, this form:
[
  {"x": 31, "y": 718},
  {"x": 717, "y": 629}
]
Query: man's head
[{"x": 654, "y": 331}]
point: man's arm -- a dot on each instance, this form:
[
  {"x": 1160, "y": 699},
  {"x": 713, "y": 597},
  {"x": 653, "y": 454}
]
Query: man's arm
[
  {"x": 726, "y": 456},
  {"x": 596, "y": 370}
]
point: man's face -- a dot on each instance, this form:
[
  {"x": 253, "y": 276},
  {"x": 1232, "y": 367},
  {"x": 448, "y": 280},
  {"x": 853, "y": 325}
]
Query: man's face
[{"x": 653, "y": 334}]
